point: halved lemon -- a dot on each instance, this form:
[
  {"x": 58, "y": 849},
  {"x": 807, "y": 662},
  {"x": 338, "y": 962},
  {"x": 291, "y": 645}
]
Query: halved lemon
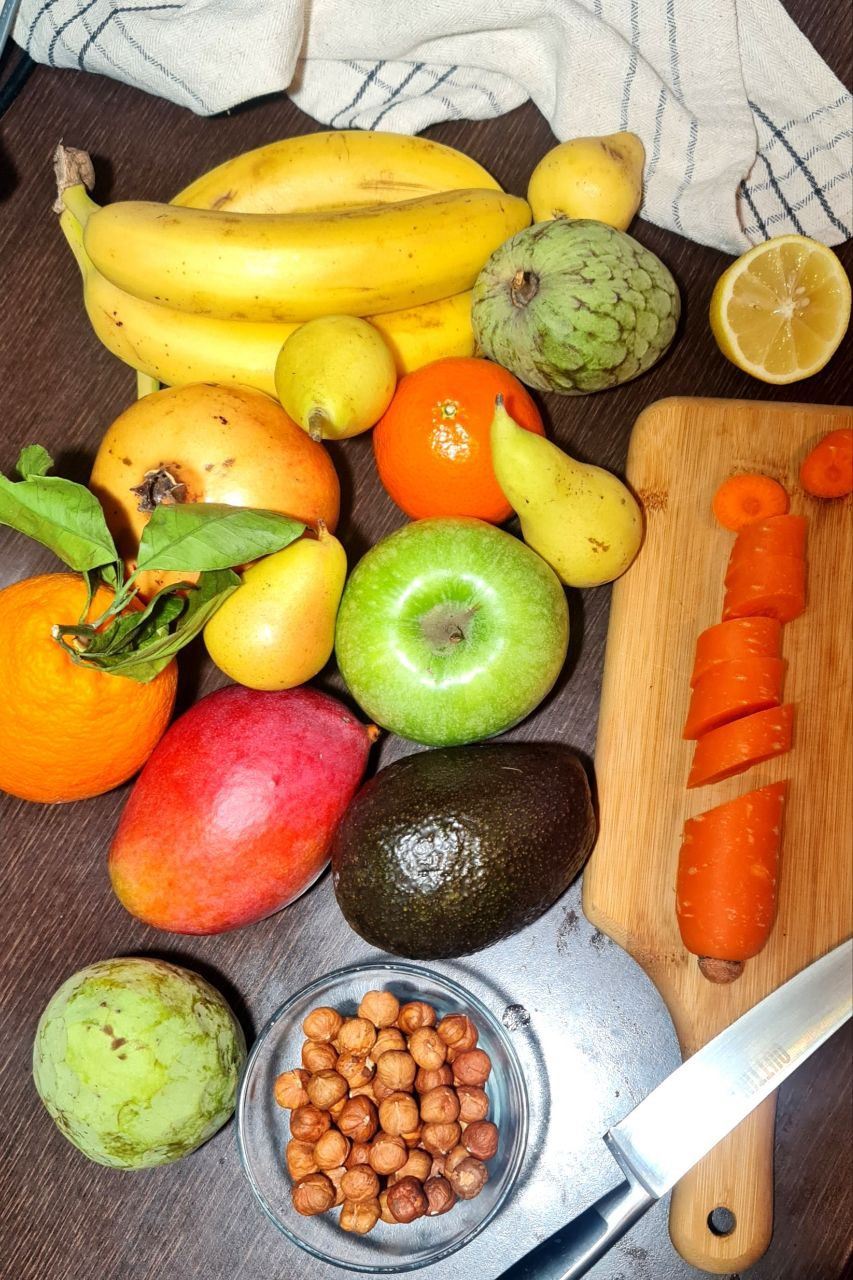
[{"x": 780, "y": 311}]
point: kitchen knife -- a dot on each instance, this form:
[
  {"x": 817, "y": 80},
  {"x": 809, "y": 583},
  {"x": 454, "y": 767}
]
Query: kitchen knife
[{"x": 697, "y": 1106}]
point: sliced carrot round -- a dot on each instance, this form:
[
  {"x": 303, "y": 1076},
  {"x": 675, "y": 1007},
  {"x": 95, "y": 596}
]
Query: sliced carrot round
[
  {"x": 728, "y": 868},
  {"x": 738, "y": 638},
  {"x": 739, "y": 745},
  {"x": 734, "y": 689},
  {"x": 743, "y": 500},
  {"x": 766, "y": 586},
  {"x": 827, "y": 472}
]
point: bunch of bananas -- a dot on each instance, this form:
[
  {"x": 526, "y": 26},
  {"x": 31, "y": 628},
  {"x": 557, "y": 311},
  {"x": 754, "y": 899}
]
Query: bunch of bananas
[{"x": 208, "y": 287}]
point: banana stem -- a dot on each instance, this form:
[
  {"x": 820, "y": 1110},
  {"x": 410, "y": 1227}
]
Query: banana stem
[
  {"x": 145, "y": 384},
  {"x": 79, "y": 202},
  {"x": 73, "y": 233}
]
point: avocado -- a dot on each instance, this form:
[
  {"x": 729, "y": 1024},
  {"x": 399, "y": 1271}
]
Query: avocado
[{"x": 448, "y": 851}]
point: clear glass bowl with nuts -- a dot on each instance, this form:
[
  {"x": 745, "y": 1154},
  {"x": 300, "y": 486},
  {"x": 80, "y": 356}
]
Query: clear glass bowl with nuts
[{"x": 429, "y": 1144}]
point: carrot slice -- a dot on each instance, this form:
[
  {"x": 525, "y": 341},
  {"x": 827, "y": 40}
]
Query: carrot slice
[
  {"x": 827, "y": 472},
  {"x": 741, "y": 500},
  {"x": 725, "y": 896},
  {"x": 738, "y": 638},
  {"x": 739, "y": 745},
  {"x": 766, "y": 586},
  {"x": 731, "y": 690},
  {"x": 780, "y": 535}
]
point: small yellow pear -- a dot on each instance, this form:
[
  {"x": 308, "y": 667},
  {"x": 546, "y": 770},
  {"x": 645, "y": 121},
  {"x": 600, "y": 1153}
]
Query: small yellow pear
[
  {"x": 598, "y": 178},
  {"x": 581, "y": 519},
  {"x": 335, "y": 376},
  {"x": 277, "y": 629}
]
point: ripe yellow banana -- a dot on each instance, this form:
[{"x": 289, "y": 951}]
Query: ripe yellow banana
[
  {"x": 176, "y": 347},
  {"x": 290, "y": 267},
  {"x": 345, "y": 168}
]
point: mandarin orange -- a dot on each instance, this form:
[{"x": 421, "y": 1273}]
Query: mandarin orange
[
  {"x": 68, "y": 732},
  {"x": 432, "y": 444}
]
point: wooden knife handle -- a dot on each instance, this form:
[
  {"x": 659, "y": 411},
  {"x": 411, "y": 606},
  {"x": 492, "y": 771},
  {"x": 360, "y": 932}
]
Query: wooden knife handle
[{"x": 738, "y": 1176}]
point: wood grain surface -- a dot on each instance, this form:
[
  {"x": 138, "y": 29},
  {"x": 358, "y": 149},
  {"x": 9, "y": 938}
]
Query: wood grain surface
[
  {"x": 680, "y": 451},
  {"x": 62, "y": 1218}
]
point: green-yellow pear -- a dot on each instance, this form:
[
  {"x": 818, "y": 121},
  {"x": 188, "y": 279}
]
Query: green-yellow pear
[
  {"x": 277, "y": 630},
  {"x": 582, "y": 520}
]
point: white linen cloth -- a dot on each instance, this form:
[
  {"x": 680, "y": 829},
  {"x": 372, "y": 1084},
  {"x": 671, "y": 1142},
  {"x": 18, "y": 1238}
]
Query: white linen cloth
[{"x": 748, "y": 134}]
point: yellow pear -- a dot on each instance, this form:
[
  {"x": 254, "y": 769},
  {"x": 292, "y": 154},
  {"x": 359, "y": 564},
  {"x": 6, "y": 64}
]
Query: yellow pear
[
  {"x": 598, "y": 178},
  {"x": 335, "y": 376},
  {"x": 581, "y": 519},
  {"x": 277, "y": 629}
]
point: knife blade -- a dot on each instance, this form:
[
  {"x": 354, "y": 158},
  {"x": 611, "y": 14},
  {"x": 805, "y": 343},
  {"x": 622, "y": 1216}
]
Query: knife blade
[{"x": 696, "y": 1106}]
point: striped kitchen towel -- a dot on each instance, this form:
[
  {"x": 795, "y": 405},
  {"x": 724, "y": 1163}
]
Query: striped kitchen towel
[{"x": 747, "y": 132}]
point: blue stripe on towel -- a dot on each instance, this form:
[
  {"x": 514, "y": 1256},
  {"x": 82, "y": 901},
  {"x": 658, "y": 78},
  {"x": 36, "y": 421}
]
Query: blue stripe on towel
[
  {"x": 661, "y": 107},
  {"x": 760, "y": 223},
  {"x": 780, "y": 196},
  {"x": 805, "y": 170},
  {"x": 407, "y": 79},
  {"x": 688, "y": 173},
  {"x": 632, "y": 64},
  {"x": 363, "y": 87}
]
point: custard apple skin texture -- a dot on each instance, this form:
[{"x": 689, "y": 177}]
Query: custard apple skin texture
[
  {"x": 137, "y": 1061},
  {"x": 574, "y": 306}
]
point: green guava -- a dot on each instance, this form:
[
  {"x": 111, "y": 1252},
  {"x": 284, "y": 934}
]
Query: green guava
[
  {"x": 137, "y": 1061},
  {"x": 574, "y": 306}
]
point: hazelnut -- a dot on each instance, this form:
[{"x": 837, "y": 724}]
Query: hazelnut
[
  {"x": 359, "y": 1153},
  {"x": 364, "y": 1091},
  {"x": 406, "y": 1200},
  {"x": 440, "y": 1196},
  {"x": 388, "y": 1153},
  {"x": 359, "y": 1216},
  {"x": 417, "y": 1013},
  {"x": 360, "y": 1183},
  {"x": 355, "y": 1069},
  {"x": 427, "y": 1048},
  {"x": 453, "y": 1158},
  {"x": 413, "y": 1138},
  {"x": 380, "y": 1008},
  {"x": 336, "y": 1109},
  {"x": 473, "y": 1103},
  {"x": 397, "y": 1070},
  {"x": 399, "y": 1113},
  {"x": 437, "y": 1166},
  {"x": 441, "y": 1138},
  {"x": 299, "y": 1157},
  {"x": 384, "y": 1212},
  {"x": 314, "y": 1194},
  {"x": 381, "y": 1091},
  {"x": 331, "y": 1150},
  {"x": 471, "y": 1067},
  {"x": 389, "y": 1039},
  {"x": 308, "y": 1123},
  {"x": 418, "y": 1165},
  {"x": 481, "y": 1139},
  {"x": 335, "y": 1176},
  {"x": 440, "y": 1106},
  {"x": 318, "y": 1057},
  {"x": 322, "y": 1024},
  {"x": 326, "y": 1088},
  {"x": 458, "y": 1032},
  {"x": 358, "y": 1119},
  {"x": 426, "y": 1080},
  {"x": 356, "y": 1035},
  {"x": 289, "y": 1089},
  {"x": 468, "y": 1178}
]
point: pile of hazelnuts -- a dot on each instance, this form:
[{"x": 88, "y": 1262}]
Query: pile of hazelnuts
[{"x": 388, "y": 1113}]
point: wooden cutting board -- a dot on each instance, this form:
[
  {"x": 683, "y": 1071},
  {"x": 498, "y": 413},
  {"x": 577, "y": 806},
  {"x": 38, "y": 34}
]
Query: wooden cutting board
[{"x": 681, "y": 450}]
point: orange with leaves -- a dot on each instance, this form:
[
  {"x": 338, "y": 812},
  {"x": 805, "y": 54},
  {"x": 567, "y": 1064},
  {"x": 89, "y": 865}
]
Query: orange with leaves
[{"x": 68, "y": 732}]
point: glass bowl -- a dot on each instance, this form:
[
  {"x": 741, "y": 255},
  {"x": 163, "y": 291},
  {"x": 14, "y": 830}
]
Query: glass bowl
[{"x": 263, "y": 1127}]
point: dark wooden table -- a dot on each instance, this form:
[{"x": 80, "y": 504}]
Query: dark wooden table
[{"x": 61, "y": 1217}]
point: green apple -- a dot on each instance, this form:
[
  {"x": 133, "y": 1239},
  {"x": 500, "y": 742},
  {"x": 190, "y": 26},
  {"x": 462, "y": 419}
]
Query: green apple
[{"x": 451, "y": 630}]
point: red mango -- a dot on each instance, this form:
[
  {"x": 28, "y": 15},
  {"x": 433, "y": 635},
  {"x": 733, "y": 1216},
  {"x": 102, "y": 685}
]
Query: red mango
[{"x": 234, "y": 812}]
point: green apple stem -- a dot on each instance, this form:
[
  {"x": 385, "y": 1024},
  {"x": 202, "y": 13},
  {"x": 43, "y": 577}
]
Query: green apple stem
[{"x": 447, "y": 624}]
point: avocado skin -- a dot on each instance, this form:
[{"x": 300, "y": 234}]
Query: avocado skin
[{"x": 448, "y": 851}]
